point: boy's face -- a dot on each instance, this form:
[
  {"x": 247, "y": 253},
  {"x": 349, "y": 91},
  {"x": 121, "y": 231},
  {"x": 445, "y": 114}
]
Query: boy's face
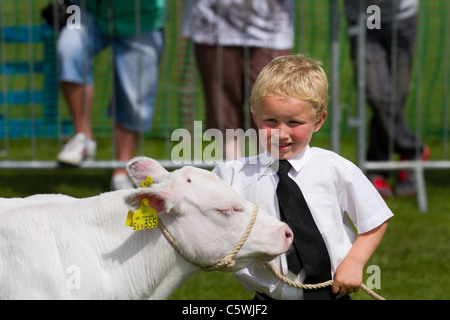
[{"x": 295, "y": 123}]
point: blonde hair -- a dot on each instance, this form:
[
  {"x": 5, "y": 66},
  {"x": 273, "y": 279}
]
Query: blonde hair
[{"x": 293, "y": 76}]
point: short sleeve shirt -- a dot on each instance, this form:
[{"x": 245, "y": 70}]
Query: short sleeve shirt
[{"x": 335, "y": 190}]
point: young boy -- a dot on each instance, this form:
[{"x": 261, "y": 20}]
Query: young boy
[{"x": 290, "y": 95}]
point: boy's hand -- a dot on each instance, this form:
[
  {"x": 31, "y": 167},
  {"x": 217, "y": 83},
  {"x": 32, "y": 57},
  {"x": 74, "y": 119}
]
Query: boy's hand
[
  {"x": 348, "y": 277},
  {"x": 349, "y": 274}
]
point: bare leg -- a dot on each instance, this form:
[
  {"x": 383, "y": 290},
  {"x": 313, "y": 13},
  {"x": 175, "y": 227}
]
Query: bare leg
[
  {"x": 79, "y": 99},
  {"x": 126, "y": 145}
]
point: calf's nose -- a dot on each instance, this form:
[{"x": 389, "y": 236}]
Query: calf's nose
[{"x": 288, "y": 234}]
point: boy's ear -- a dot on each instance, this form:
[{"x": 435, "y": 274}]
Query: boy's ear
[
  {"x": 320, "y": 121},
  {"x": 140, "y": 168}
]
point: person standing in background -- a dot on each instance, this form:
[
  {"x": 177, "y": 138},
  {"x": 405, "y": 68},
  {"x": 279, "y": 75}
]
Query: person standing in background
[
  {"x": 135, "y": 32},
  {"x": 233, "y": 40},
  {"x": 386, "y": 99}
]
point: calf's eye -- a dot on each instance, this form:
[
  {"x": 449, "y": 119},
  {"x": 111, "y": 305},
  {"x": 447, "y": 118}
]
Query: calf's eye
[{"x": 227, "y": 212}]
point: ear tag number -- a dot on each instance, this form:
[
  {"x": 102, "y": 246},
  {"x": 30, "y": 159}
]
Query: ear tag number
[
  {"x": 147, "y": 182},
  {"x": 144, "y": 218}
]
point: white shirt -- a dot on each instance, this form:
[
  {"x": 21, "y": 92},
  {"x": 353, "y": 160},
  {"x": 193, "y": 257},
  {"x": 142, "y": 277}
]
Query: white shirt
[
  {"x": 249, "y": 23},
  {"x": 332, "y": 187}
]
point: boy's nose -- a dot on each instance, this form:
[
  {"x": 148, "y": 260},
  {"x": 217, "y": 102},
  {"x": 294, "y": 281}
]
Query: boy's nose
[{"x": 283, "y": 132}]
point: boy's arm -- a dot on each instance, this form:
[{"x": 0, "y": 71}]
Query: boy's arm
[{"x": 349, "y": 274}]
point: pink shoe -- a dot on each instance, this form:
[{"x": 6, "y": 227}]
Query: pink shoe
[
  {"x": 406, "y": 182},
  {"x": 382, "y": 186}
]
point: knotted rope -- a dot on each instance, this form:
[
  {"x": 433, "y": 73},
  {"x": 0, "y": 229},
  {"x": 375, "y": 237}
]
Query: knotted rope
[
  {"x": 227, "y": 262},
  {"x": 317, "y": 285}
]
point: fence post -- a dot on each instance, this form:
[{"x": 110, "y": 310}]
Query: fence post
[
  {"x": 334, "y": 87},
  {"x": 361, "y": 84}
]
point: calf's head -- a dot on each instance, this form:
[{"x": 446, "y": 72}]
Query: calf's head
[{"x": 205, "y": 216}]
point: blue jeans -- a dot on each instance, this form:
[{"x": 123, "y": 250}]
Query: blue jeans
[{"x": 136, "y": 61}]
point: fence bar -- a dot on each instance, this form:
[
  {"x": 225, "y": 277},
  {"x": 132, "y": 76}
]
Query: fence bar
[
  {"x": 99, "y": 164},
  {"x": 398, "y": 165},
  {"x": 361, "y": 86},
  {"x": 394, "y": 96},
  {"x": 114, "y": 164},
  {"x": 31, "y": 88},
  {"x": 446, "y": 112},
  {"x": 334, "y": 83}
]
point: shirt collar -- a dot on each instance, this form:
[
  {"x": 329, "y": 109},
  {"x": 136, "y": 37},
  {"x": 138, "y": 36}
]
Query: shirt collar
[
  {"x": 265, "y": 160},
  {"x": 297, "y": 162}
]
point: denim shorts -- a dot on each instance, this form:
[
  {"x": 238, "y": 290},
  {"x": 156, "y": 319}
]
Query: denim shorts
[{"x": 136, "y": 61}]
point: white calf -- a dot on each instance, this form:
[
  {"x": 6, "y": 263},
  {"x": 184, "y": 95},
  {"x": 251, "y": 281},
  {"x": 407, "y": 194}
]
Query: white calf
[{"x": 59, "y": 247}]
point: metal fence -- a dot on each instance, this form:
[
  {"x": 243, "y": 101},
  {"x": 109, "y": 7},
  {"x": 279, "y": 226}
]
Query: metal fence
[{"x": 35, "y": 122}]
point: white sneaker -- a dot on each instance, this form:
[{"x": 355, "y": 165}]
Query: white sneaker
[
  {"x": 121, "y": 181},
  {"x": 78, "y": 149}
]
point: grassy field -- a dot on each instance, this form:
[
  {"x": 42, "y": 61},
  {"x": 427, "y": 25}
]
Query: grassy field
[{"x": 413, "y": 257}]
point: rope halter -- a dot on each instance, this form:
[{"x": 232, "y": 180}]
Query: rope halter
[{"x": 227, "y": 262}]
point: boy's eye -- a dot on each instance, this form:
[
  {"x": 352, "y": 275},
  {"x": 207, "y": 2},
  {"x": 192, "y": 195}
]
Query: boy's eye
[
  {"x": 270, "y": 121},
  {"x": 296, "y": 122}
]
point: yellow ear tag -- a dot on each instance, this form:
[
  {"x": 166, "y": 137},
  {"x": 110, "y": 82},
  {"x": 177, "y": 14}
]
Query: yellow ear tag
[
  {"x": 147, "y": 182},
  {"x": 144, "y": 218},
  {"x": 129, "y": 221}
]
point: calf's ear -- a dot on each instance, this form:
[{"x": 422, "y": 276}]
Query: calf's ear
[
  {"x": 140, "y": 168},
  {"x": 159, "y": 200}
]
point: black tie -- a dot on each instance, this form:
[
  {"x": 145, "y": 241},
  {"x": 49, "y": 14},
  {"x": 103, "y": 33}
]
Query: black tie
[{"x": 310, "y": 250}]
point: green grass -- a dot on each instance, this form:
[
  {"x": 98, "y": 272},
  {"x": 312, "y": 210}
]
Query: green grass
[{"x": 413, "y": 256}]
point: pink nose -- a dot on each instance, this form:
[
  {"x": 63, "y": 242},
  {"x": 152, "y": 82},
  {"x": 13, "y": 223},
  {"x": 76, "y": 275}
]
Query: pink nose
[{"x": 289, "y": 235}]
